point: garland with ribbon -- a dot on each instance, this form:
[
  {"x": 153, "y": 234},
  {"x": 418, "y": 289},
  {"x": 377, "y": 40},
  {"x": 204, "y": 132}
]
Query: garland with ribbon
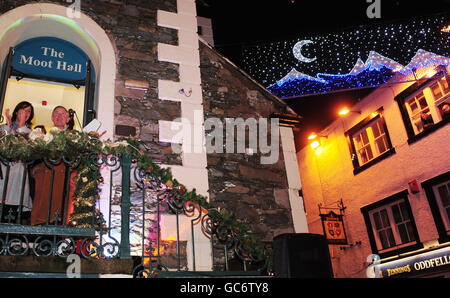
[{"x": 80, "y": 149}]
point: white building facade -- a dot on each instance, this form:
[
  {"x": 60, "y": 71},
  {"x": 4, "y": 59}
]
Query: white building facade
[{"x": 388, "y": 170}]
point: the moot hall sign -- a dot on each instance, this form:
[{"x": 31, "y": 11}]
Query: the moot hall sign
[{"x": 50, "y": 58}]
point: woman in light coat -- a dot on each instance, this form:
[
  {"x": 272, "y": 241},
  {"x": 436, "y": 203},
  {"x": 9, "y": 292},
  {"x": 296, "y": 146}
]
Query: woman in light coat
[{"x": 19, "y": 122}]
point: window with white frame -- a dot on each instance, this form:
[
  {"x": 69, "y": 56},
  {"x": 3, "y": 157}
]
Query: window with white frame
[
  {"x": 370, "y": 141},
  {"x": 418, "y": 109},
  {"x": 429, "y": 105},
  {"x": 437, "y": 190},
  {"x": 392, "y": 226},
  {"x": 442, "y": 195}
]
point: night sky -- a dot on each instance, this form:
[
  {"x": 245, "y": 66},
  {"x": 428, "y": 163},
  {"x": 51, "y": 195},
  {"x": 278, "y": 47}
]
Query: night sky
[
  {"x": 337, "y": 53},
  {"x": 240, "y": 25},
  {"x": 341, "y": 32}
]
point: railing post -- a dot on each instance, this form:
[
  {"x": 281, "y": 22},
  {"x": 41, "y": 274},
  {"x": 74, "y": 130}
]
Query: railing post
[{"x": 125, "y": 208}]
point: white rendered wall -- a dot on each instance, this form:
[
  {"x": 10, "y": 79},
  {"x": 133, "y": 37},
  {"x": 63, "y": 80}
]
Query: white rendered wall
[
  {"x": 188, "y": 91},
  {"x": 327, "y": 174}
]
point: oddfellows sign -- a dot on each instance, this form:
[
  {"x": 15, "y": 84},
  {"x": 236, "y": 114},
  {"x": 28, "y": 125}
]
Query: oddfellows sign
[{"x": 421, "y": 263}]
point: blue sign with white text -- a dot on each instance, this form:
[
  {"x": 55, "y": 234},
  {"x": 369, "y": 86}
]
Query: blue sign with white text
[
  {"x": 50, "y": 57},
  {"x": 425, "y": 262}
]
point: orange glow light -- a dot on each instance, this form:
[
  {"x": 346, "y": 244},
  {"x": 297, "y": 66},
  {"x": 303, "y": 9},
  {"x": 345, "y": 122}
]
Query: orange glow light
[
  {"x": 315, "y": 144},
  {"x": 446, "y": 29},
  {"x": 312, "y": 136},
  {"x": 344, "y": 111}
]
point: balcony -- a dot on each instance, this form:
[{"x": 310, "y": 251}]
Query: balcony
[{"x": 70, "y": 196}]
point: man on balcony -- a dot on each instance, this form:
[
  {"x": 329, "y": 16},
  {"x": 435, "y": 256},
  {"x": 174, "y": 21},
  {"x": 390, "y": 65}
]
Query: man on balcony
[{"x": 50, "y": 208}]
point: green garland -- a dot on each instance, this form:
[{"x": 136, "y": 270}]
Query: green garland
[{"x": 72, "y": 144}]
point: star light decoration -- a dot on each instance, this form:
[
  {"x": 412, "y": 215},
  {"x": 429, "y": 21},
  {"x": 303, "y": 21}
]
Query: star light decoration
[{"x": 336, "y": 61}]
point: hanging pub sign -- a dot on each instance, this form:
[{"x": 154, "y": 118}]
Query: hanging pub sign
[
  {"x": 333, "y": 228},
  {"x": 50, "y": 58}
]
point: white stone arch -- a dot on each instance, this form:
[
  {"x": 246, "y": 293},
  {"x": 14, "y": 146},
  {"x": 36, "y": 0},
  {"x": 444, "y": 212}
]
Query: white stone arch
[{"x": 46, "y": 19}]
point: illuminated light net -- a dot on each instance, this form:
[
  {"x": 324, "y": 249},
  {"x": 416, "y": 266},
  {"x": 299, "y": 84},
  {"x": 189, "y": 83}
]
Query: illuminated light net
[
  {"x": 356, "y": 58},
  {"x": 376, "y": 71}
]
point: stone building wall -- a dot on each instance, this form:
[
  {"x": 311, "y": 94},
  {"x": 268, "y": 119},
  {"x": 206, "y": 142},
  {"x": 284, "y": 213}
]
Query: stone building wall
[
  {"x": 256, "y": 193},
  {"x": 133, "y": 31}
]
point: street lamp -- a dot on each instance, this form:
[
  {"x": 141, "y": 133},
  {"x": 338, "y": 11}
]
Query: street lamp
[
  {"x": 345, "y": 111},
  {"x": 315, "y": 143}
]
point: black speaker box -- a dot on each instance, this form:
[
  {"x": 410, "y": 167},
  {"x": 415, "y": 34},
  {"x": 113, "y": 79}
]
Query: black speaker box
[{"x": 301, "y": 255}]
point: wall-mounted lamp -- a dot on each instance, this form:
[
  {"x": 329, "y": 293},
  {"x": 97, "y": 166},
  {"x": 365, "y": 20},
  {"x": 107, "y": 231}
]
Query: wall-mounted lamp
[
  {"x": 345, "y": 111},
  {"x": 315, "y": 143},
  {"x": 313, "y": 135}
]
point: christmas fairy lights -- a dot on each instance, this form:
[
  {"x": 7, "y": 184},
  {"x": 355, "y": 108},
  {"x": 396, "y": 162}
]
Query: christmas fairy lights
[
  {"x": 375, "y": 71},
  {"x": 357, "y": 58}
]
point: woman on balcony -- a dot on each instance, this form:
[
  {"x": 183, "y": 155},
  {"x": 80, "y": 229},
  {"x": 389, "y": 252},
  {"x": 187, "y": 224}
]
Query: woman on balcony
[{"x": 19, "y": 122}]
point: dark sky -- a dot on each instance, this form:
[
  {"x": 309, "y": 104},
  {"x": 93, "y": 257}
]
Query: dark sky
[
  {"x": 237, "y": 23},
  {"x": 243, "y": 23}
]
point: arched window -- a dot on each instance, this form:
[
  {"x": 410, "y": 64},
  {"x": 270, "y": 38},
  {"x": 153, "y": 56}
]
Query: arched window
[
  {"x": 49, "y": 72},
  {"x": 27, "y": 22}
]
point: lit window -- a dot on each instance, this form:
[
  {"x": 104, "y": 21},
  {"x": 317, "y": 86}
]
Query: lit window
[
  {"x": 440, "y": 88},
  {"x": 419, "y": 112},
  {"x": 425, "y": 105},
  {"x": 369, "y": 141}
]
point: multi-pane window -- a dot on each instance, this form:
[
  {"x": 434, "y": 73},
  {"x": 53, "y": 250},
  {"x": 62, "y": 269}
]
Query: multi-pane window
[
  {"x": 392, "y": 226},
  {"x": 440, "y": 88},
  {"x": 379, "y": 136},
  {"x": 442, "y": 195},
  {"x": 419, "y": 112},
  {"x": 441, "y": 95},
  {"x": 383, "y": 228},
  {"x": 370, "y": 141},
  {"x": 437, "y": 190},
  {"x": 429, "y": 105}
]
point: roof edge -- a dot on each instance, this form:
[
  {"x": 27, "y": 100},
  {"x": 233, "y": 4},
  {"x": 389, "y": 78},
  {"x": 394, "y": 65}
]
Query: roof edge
[{"x": 261, "y": 87}]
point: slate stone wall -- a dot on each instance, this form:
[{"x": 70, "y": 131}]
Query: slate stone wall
[
  {"x": 255, "y": 192},
  {"x": 238, "y": 182}
]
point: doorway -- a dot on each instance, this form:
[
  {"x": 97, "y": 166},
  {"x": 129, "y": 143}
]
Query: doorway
[
  {"x": 44, "y": 96},
  {"x": 48, "y": 72}
]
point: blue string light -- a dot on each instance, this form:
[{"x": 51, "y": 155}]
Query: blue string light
[
  {"x": 317, "y": 64},
  {"x": 376, "y": 71}
]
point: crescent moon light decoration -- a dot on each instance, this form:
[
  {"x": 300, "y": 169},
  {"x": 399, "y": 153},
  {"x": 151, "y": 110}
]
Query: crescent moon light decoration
[{"x": 297, "y": 50}]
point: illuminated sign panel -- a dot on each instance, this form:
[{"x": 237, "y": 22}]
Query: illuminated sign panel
[
  {"x": 421, "y": 263},
  {"x": 50, "y": 57}
]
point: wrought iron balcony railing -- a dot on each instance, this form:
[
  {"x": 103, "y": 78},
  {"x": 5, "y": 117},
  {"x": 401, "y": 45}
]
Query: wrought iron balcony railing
[{"x": 105, "y": 206}]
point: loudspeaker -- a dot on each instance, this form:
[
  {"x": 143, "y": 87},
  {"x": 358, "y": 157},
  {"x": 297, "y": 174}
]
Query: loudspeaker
[{"x": 301, "y": 255}]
